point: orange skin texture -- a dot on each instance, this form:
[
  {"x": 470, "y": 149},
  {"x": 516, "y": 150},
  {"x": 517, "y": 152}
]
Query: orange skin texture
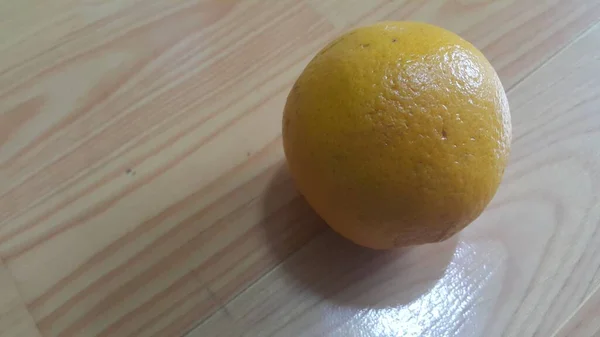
[{"x": 397, "y": 134}]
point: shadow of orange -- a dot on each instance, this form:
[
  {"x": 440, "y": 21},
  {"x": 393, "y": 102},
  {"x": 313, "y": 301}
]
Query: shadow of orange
[{"x": 337, "y": 270}]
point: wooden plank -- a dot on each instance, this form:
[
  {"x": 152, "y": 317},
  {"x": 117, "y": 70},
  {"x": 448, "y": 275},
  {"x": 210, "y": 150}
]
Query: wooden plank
[
  {"x": 140, "y": 188},
  {"x": 109, "y": 268},
  {"x": 15, "y": 320},
  {"x": 585, "y": 321},
  {"x": 517, "y": 36},
  {"x": 519, "y": 270}
]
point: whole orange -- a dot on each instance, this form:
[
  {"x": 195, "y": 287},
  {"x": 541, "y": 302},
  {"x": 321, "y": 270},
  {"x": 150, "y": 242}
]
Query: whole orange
[{"x": 397, "y": 134}]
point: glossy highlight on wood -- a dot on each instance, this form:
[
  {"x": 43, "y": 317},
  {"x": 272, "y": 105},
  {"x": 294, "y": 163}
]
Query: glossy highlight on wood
[{"x": 143, "y": 190}]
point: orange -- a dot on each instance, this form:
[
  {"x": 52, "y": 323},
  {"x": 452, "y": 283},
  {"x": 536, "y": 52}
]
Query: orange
[{"x": 397, "y": 134}]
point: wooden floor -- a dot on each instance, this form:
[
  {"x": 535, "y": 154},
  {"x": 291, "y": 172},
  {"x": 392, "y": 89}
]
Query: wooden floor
[{"x": 143, "y": 190}]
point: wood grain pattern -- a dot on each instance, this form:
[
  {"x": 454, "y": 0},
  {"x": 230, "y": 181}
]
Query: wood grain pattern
[
  {"x": 585, "y": 321},
  {"x": 142, "y": 190},
  {"x": 15, "y": 320},
  {"x": 520, "y": 270}
]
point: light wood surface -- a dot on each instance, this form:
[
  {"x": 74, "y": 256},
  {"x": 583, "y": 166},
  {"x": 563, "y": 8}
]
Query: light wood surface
[
  {"x": 143, "y": 190},
  {"x": 14, "y": 318},
  {"x": 585, "y": 321}
]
